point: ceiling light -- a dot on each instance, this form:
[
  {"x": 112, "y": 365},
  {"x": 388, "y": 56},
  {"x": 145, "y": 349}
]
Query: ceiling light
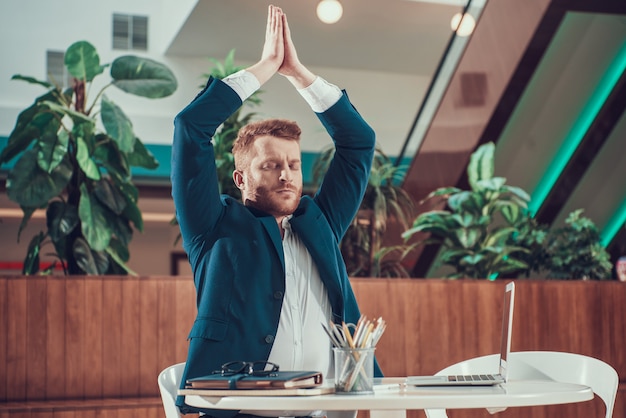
[
  {"x": 463, "y": 24},
  {"x": 329, "y": 11}
]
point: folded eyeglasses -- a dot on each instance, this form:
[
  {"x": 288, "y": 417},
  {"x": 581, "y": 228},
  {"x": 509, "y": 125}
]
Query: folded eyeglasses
[{"x": 253, "y": 368}]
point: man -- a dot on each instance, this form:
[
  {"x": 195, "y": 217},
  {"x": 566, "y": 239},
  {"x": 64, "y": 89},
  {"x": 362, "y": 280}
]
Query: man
[{"x": 267, "y": 272}]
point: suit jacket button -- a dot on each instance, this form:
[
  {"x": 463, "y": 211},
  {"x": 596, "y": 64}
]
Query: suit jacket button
[
  {"x": 278, "y": 294},
  {"x": 269, "y": 339}
]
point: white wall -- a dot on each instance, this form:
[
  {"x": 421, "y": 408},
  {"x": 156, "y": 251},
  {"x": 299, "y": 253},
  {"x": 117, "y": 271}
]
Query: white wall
[{"x": 30, "y": 27}]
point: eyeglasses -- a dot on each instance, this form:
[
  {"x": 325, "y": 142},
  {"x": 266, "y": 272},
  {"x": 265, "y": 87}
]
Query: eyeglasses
[{"x": 253, "y": 368}]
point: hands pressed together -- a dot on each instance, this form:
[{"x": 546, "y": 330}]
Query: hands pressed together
[{"x": 279, "y": 53}]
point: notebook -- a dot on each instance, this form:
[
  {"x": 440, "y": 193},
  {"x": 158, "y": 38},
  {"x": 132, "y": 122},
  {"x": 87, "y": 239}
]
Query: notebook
[{"x": 487, "y": 378}]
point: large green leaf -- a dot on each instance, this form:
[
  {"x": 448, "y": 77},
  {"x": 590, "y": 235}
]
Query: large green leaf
[
  {"x": 143, "y": 77},
  {"x": 110, "y": 196},
  {"x": 109, "y": 156},
  {"x": 132, "y": 212},
  {"x": 90, "y": 261},
  {"x": 30, "y": 186},
  {"x": 52, "y": 149},
  {"x": 85, "y": 162},
  {"x": 61, "y": 219},
  {"x": 118, "y": 259},
  {"x": 141, "y": 157},
  {"x": 31, "y": 262},
  {"x": 117, "y": 125},
  {"x": 82, "y": 61},
  {"x": 120, "y": 228},
  {"x": 481, "y": 164},
  {"x": 30, "y": 123},
  {"x": 93, "y": 220}
]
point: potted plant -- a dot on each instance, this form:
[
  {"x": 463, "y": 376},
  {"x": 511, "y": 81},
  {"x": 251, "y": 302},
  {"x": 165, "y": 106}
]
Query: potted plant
[
  {"x": 80, "y": 174},
  {"x": 478, "y": 230},
  {"x": 574, "y": 251},
  {"x": 487, "y": 232},
  {"x": 362, "y": 246}
]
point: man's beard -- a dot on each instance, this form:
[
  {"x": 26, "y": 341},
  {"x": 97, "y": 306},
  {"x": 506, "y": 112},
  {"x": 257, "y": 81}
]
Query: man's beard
[{"x": 268, "y": 202}]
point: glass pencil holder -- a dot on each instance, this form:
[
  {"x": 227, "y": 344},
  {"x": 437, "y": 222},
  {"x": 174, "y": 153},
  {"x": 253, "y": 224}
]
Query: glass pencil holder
[{"x": 354, "y": 370}]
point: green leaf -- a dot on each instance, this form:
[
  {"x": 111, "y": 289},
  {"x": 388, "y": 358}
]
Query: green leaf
[
  {"x": 118, "y": 260},
  {"x": 443, "y": 191},
  {"x": 32, "y": 80},
  {"x": 110, "y": 196},
  {"x": 30, "y": 186},
  {"x": 141, "y": 157},
  {"x": 117, "y": 125},
  {"x": 93, "y": 221},
  {"x": 82, "y": 61},
  {"x": 31, "y": 262},
  {"x": 143, "y": 77},
  {"x": 52, "y": 149},
  {"x": 61, "y": 219},
  {"x": 481, "y": 164},
  {"x": 76, "y": 117},
  {"x": 30, "y": 123},
  {"x": 85, "y": 162},
  {"x": 109, "y": 156},
  {"x": 88, "y": 260},
  {"x": 499, "y": 236},
  {"x": 132, "y": 212}
]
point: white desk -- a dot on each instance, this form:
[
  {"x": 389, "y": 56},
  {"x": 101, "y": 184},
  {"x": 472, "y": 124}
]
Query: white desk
[{"x": 397, "y": 397}]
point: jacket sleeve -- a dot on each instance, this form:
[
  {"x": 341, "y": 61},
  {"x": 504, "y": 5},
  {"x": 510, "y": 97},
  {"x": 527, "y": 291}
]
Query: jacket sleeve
[
  {"x": 344, "y": 184},
  {"x": 195, "y": 187}
]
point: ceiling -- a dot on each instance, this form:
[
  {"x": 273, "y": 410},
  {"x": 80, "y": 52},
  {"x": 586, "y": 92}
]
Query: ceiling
[{"x": 395, "y": 36}]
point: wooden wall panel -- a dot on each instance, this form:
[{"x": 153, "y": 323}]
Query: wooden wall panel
[
  {"x": 4, "y": 336},
  {"x": 148, "y": 362},
  {"x": 94, "y": 323},
  {"x": 110, "y": 337},
  {"x": 445, "y": 321}
]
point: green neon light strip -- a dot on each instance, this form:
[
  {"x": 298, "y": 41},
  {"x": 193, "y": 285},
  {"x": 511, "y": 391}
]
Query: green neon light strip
[
  {"x": 617, "y": 221},
  {"x": 578, "y": 130}
]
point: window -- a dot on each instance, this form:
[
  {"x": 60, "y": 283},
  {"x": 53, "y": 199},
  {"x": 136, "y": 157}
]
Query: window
[
  {"x": 130, "y": 32},
  {"x": 55, "y": 69}
]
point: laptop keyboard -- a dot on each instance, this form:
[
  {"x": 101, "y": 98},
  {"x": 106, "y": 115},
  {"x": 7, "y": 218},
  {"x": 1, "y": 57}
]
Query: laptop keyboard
[{"x": 471, "y": 378}]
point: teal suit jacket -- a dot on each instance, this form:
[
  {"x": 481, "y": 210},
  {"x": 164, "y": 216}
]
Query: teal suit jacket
[{"x": 236, "y": 252}]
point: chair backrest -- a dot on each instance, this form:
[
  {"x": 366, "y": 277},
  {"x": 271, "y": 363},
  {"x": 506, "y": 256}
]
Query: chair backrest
[
  {"x": 169, "y": 382},
  {"x": 559, "y": 366}
]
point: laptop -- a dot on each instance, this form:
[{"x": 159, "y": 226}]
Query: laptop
[{"x": 480, "y": 378}]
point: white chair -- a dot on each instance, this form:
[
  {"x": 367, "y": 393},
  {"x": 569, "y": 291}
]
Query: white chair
[
  {"x": 558, "y": 366},
  {"x": 169, "y": 381}
]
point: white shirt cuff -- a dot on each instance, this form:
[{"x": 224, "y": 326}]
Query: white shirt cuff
[
  {"x": 321, "y": 95},
  {"x": 243, "y": 82}
]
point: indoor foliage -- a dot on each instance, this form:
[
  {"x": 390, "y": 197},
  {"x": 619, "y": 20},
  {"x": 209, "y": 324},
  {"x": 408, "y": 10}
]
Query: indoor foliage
[
  {"x": 487, "y": 232},
  {"x": 362, "y": 246},
  {"x": 478, "y": 231},
  {"x": 79, "y": 173}
]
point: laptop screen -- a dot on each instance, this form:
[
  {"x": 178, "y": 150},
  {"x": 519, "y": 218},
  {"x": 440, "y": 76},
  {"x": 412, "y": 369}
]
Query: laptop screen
[{"x": 507, "y": 325}]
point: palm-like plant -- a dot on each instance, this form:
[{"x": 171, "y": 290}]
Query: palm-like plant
[
  {"x": 79, "y": 174},
  {"x": 480, "y": 232},
  {"x": 361, "y": 247}
]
